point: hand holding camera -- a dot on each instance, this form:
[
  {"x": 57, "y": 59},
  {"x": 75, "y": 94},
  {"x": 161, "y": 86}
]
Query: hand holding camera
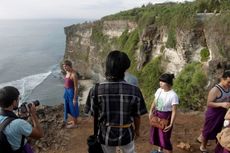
[{"x": 26, "y": 109}]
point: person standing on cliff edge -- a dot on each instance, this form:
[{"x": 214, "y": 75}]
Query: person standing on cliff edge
[{"x": 70, "y": 95}]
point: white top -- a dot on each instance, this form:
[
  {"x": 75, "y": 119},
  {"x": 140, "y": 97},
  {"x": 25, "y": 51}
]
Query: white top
[{"x": 165, "y": 100}]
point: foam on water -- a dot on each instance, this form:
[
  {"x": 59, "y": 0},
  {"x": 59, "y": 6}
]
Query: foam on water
[{"x": 27, "y": 84}]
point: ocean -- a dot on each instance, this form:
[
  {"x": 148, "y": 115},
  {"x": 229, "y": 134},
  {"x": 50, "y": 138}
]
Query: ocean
[{"x": 30, "y": 56}]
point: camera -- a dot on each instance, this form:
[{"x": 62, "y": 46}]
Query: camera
[{"x": 24, "y": 108}]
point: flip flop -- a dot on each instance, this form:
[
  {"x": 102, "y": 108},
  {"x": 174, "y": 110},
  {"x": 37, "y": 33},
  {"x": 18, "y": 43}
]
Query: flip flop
[
  {"x": 71, "y": 126},
  {"x": 199, "y": 141},
  {"x": 203, "y": 150}
]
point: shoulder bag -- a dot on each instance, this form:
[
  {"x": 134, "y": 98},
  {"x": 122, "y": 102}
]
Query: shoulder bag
[
  {"x": 156, "y": 121},
  {"x": 92, "y": 141}
]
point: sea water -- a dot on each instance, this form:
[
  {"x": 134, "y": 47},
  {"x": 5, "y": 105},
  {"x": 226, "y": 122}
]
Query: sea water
[{"x": 30, "y": 56}]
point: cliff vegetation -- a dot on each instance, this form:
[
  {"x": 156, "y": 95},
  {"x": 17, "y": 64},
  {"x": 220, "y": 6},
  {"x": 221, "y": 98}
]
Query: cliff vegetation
[{"x": 190, "y": 39}]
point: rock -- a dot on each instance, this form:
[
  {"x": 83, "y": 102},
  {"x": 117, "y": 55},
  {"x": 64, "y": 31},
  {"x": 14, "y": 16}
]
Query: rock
[
  {"x": 184, "y": 146},
  {"x": 52, "y": 122}
]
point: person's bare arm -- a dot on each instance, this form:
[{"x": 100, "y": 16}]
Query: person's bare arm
[
  {"x": 137, "y": 122},
  {"x": 75, "y": 81},
  {"x": 37, "y": 131},
  {"x": 213, "y": 94},
  {"x": 227, "y": 115},
  {"x": 173, "y": 117},
  {"x": 151, "y": 109}
]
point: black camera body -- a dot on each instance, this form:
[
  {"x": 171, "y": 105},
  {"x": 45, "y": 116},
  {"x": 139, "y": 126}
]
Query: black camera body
[{"x": 24, "y": 108}]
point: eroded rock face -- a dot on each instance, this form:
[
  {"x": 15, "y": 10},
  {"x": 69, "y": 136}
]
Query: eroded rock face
[
  {"x": 84, "y": 51},
  {"x": 88, "y": 56},
  {"x": 188, "y": 46},
  {"x": 116, "y": 28}
]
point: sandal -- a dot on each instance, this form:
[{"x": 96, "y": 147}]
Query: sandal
[
  {"x": 203, "y": 150},
  {"x": 71, "y": 126},
  {"x": 199, "y": 141}
]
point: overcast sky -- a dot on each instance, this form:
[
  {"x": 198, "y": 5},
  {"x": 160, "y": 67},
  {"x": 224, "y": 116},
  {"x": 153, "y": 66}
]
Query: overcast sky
[{"x": 86, "y": 9}]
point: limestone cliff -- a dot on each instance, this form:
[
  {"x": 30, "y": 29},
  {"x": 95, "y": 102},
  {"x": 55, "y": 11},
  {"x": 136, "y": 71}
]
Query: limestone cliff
[
  {"x": 86, "y": 52},
  {"x": 175, "y": 33}
]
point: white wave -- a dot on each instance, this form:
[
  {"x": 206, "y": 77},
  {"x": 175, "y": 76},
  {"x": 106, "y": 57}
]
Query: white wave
[
  {"x": 27, "y": 84},
  {"x": 56, "y": 71}
]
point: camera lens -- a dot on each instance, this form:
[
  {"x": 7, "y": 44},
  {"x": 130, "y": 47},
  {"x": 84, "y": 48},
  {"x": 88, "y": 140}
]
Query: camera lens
[{"x": 36, "y": 103}]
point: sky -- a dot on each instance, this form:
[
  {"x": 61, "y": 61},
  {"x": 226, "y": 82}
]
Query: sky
[{"x": 80, "y": 9}]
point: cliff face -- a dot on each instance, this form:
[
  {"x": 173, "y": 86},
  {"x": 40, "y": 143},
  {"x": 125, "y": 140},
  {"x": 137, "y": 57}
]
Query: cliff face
[{"x": 88, "y": 53}]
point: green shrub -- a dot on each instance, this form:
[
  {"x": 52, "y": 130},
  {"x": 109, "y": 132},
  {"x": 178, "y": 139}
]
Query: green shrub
[
  {"x": 130, "y": 47},
  {"x": 97, "y": 34},
  {"x": 204, "y": 54},
  {"x": 171, "y": 41},
  {"x": 224, "y": 5},
  {"x": 146, "y": 19},
  {"x": 123, "y": 39},
  {"x": 219, "y": 25},
  {"x": 149, "y": 79},
  {"x": 172, "y": 15},
  {"x": 189, "y": 85},
  {"x": 133, "y": 39}
]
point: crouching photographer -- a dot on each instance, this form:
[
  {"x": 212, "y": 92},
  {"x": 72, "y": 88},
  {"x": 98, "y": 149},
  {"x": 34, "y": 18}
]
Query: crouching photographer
[{"x": 14, "y": 130}]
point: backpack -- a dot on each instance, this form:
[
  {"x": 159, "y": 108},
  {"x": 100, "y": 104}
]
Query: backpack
[{"x": 4, "y": 144}]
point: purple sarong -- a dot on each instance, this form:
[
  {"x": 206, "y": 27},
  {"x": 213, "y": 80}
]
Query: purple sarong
[
  {"x": 214, "y": 119},
  {"x": 27, "y": 148},
  {"x": 158, "y": 137},
  {"x": 220, "y": 149}
]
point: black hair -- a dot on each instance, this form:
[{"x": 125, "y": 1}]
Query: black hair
[
  {"x": 67, "y": 62},
  {"x": 7, "y": 95},
  {"x": 168, "y": 78},
  {"x": 226, "y": 74},
  {"x": 117, "y": 63}
]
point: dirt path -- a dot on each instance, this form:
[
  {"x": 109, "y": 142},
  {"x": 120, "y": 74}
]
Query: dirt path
[{"x": 186, "y": 129}]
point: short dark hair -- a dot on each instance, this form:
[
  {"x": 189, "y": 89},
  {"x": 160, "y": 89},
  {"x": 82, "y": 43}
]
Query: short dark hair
[
  {"x": 168, "y": 78},
  {"x": 67, "y": 62},
  {"x": 117, "y": 63},
  {"x": 226, "y": 74},
  {"x": 7, "y": 95}
]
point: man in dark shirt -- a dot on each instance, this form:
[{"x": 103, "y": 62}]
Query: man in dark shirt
[{"x": 120, "y": 106}]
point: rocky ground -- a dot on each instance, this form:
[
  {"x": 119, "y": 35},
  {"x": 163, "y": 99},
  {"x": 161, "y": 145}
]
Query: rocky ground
[{"x": 58, "y": 139}]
